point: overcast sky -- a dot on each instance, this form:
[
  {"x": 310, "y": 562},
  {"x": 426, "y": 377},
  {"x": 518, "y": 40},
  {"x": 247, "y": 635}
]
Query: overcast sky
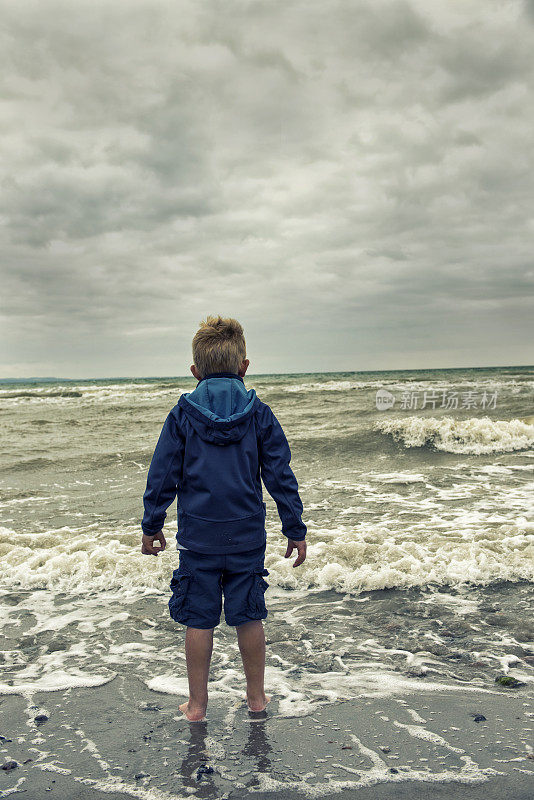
[{"x": 352, "y": 180}]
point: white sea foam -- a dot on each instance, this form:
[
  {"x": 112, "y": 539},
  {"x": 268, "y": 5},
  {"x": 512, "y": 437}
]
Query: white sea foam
[
  {"x": 72, "y": 559},
  {"x": 401, "y": 478},
  {"x": 439, "y": 384},
  {"x": 476, "y": 435},
  {"x": 326, "y": 386},
  {"x": 350, "y": 668},
  {"x": 299, "y": 698},
  {"x": 477, "y": 545},
  {"x": 52, "y": 682},
  {"x": 89, "y": 394}
]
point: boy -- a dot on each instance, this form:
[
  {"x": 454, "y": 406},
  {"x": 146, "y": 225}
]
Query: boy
[{"x": 214, "y": 445}]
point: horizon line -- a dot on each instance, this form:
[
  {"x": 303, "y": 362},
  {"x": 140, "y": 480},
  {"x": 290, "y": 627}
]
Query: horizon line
[{"x": 263, "y": 374}]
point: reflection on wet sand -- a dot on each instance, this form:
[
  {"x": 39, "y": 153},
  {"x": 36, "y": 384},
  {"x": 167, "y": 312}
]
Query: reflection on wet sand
[{"x": 197, "y": 770}]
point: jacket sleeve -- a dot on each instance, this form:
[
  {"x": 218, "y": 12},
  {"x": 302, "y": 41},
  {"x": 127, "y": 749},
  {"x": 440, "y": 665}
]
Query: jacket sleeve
[
  {"x": 163, "y": 475},
  {"x": 278, "y": 476}
]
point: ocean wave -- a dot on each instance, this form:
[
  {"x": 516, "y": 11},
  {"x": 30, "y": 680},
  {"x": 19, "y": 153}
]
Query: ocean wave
[
  {"x": 26, "y": 464},
  {"x": 473, "y": 436},
  {"x": 367, "y": 557},
  {"x": 92, "y": 395},
  {"x": 40, "y": 394},
  {"x": 345, "y": 558},
  {"x": 326, "y": 386},
  {"x": 417, "y": 384}
]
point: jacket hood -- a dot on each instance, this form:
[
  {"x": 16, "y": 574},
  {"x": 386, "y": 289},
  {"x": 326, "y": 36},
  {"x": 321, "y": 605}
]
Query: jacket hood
[{"x": 220, "y": 408}]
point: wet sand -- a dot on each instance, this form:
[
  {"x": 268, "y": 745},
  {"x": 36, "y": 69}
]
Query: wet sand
[{"x": 122, "y": 739}]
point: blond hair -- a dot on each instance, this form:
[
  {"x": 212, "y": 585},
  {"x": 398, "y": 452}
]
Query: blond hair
[{"x": 219, "y": 346}]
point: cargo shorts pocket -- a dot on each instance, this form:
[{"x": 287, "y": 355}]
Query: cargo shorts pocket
[
  {"x": 256, "y": 597},
  {"x": 180, "y": 584}
]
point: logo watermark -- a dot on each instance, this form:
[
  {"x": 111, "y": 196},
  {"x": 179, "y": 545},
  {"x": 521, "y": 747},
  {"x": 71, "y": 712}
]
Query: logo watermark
[
  {"x": 447, "y": 399},
  {"x": 384, "y": 400}
]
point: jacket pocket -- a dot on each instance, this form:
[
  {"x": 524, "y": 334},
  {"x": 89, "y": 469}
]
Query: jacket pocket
[
  {"x": 179, "y": 601},
  {"x": 256, "y": 596},
  {"x": 215, "y": 535}
]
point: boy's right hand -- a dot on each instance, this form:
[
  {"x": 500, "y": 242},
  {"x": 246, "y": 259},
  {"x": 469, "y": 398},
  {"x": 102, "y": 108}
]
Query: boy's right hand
[
  {"x": 147, "y": 545},
  {"x": 301, "y": 551}
]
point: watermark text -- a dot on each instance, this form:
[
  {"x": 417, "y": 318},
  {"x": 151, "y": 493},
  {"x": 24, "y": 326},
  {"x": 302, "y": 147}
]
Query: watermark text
[{"x": 446, "y": 399}]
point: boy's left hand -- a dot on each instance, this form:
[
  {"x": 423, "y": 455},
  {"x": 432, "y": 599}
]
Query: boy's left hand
[{"x": 147, "y": 546}]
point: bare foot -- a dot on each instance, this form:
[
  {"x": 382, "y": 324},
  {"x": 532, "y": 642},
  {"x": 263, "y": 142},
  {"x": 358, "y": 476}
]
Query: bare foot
[
  {"x": 193, "y": 714},
  {"x": 258, "y": 704}
]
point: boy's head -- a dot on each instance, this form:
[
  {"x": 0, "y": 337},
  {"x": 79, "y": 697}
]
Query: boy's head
[{"x": 219, "y": 346}]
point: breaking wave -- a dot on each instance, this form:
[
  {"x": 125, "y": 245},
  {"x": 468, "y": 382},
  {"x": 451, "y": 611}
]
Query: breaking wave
[
  {"x": 40, "y": 394},
  {"x": 476, "y": 436}
]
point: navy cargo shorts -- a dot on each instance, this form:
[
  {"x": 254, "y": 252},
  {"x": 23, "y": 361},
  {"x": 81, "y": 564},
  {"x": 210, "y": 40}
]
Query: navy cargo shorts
[{"x": 201, "y": 580}]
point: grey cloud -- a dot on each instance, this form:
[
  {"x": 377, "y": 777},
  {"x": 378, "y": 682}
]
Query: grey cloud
[{"x": 351, "y": 168}]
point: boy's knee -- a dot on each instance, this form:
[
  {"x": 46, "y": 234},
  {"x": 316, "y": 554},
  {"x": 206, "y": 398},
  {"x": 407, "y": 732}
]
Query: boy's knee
[
  {"x": 248, "y": 624},
  {"x": 201, "y": 628}
]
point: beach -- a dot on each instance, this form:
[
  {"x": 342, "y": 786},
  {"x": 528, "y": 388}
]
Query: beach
[
  {"x": 410, "y": 618},
  {"x": 401, "y": 737}
]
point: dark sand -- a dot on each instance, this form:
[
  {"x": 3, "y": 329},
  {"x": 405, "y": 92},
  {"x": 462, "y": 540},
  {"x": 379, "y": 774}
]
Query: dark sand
[{"x": 123, "y": 740}]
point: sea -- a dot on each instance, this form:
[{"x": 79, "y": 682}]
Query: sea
[{"x": 417, "y": 489}]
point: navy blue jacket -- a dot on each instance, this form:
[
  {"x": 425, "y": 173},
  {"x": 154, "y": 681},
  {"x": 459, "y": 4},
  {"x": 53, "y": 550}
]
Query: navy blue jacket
[{"x": 214, "y": 445}]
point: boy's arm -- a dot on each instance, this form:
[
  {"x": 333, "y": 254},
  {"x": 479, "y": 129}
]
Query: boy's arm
[
  {"x": 163, "y": 475},
  {"x": 278, "y": 476}
]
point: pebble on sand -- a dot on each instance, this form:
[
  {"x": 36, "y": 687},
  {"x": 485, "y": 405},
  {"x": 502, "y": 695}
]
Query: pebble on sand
[
  {"x": 204, "y": 769},
  {"x": 508, "y": 681}
]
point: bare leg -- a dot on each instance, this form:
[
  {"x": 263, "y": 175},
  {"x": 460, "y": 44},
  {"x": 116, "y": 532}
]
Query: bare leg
[
  {"x": 251, "y": 639},
  {"x": 198, "y": 649}
]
